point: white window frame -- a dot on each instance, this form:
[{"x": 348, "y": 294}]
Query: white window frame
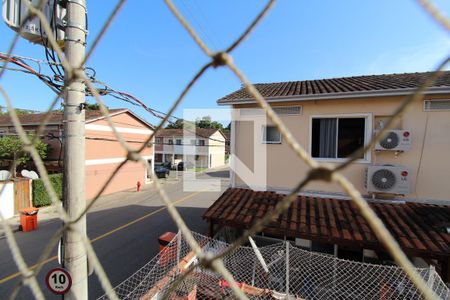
[
  {"x": 367, "y": 135},
  {"x": 434, "y": 109},
  {"x": 178, "y": 142},
  {"x": 199, "y": 141},
  {"x": 269, "y": 142},
  {"x": 158, "y": 140}
]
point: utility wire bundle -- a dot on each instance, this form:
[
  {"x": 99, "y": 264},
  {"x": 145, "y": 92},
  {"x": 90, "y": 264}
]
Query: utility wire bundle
[{"x": 57, "y": 83}]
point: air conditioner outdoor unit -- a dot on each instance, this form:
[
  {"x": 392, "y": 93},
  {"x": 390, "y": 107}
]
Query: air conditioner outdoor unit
[
  {"x": 395, "y": 140},
  {"x": 388, "y": 179}
]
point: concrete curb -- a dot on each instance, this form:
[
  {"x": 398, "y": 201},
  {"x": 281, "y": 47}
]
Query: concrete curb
[{"x": 50, "y": 212}]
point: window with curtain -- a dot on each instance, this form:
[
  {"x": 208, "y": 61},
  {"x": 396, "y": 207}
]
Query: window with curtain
[
  {"x": 337, "y": 137},
  {"x": 271, "y": 135}
]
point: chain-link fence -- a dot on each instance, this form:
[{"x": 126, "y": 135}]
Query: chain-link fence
[
  {"x": 221, "y": 261},
  {"x": 284, "y": 270}
]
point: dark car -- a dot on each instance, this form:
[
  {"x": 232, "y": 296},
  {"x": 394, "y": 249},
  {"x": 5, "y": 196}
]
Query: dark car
[
  {"x": 167, "y": 165},
  {"x": 182, "y": 166},
  {"x": 161, "y": 171}
]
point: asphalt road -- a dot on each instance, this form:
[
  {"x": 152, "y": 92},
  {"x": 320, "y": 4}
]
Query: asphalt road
[{"x": 124, "y": 230}]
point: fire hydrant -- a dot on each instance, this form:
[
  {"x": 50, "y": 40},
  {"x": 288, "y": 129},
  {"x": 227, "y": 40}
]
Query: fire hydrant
[{"x": 138, "y": 185}]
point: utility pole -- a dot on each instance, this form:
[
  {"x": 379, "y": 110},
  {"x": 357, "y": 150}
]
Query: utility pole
[{"x": 75, "y": 258}]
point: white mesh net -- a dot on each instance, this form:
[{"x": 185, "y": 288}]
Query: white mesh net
[
  {"x": 292, "y": 270},
  {"x": 295, "y": 272}
]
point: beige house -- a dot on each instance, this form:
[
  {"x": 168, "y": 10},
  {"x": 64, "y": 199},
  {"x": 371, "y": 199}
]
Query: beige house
[
  {"x": 406, "y": 177},
  {"x": 333, "y": 117},
  {"x": 203, "y": 148}
]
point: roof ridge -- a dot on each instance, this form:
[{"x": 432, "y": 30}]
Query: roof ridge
[
  {"x": 338, "y": 85},
  {"x": 344, "y": 77},
  {"x": 56, "y": 116}
]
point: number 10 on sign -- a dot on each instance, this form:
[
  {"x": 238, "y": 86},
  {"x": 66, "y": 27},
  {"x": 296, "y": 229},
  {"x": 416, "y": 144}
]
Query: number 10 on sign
[{"x": 58, "y": 281}]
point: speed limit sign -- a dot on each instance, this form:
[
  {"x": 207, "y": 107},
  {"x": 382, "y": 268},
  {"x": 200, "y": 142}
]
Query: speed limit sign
[{"x": 58, "y": 281}]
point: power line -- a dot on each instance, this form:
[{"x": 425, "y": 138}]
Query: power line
[
  {"x": 103, "y": 90},
  {"x": 135, "y": 101},
  {"x": 21, "y": 63},
  {"x": 200, "y": 27},
  {"x": 202, "y": 14},
  {"x": 37, "y": 61}
]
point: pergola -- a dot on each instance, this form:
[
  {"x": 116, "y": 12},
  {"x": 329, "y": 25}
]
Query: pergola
[{"x": 420, "y": 229}]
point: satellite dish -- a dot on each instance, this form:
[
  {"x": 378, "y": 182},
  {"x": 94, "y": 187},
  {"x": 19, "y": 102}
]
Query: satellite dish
[
  {"x": 5, "y": 175},
  {"x": 25, "y": 173},
  {"x": 29, "y": 174},
  {"x": 34, "y": 175}
]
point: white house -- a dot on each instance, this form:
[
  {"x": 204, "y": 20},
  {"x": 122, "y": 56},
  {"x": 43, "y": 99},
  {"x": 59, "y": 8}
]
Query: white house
[{"x": 201, "y": 147}]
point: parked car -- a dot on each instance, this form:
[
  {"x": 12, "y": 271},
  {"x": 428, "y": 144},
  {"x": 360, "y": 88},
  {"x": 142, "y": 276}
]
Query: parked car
[
  {"x": 161, "y": 171},
  {"x": 167, "y": 165},
  {"x": 183, "y": 165},
  {"x": 175, "y": 164}
]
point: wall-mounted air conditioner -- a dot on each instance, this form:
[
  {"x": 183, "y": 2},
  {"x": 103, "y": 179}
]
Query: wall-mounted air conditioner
[
  {"x": 395, "y": 140},
  {"x": 388, "y": 179}
]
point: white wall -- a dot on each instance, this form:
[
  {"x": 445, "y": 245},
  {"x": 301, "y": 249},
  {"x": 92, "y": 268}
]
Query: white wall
[
  {"x": 7, "y": 199},
  {"x": 214, "y": 146},
  {"x": 217, "y": 149}
]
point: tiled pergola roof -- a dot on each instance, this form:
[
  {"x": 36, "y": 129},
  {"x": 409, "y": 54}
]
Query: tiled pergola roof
[{"x": 420, "y": 229}]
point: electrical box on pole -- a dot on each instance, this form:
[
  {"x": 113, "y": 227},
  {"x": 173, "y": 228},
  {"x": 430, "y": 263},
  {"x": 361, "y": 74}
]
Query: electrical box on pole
[{"x": 14, "y": 13}]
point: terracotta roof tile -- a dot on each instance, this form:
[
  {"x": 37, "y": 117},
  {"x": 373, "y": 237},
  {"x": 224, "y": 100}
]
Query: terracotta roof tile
[
  {"x": 55, "y": 117},
  {"x": 419, "y": 228},
  {"x": 323, "y": 87}
]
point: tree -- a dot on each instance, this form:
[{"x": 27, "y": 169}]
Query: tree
[
  {"x": 93, "y": 106},
  {"x": 207, "y": 122},
  {"x": 17, "y": 110},
  {"x": 178, "y": 124},
  {"x": 204, "y": 122},
  {"x": 11, "y": 148}
]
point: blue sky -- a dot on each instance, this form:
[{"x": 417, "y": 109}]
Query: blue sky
[{"x": 148, "y": 54}]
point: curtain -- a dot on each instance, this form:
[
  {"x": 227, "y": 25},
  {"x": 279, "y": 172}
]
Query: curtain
[{"x": 327, "y": 141}]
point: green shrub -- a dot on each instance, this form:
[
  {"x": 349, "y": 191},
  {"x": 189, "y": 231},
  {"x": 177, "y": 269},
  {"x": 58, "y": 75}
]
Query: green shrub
[{"x": 40, "y": 195}]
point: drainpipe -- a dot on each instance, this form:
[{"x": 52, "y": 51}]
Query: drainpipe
[{"x": 232, "y": 149}]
